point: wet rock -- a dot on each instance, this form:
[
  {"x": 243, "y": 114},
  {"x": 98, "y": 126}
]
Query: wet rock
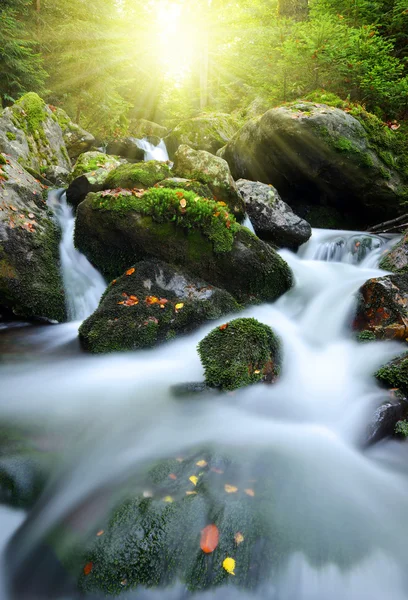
[
  {"x": 273, "y": 219},
  {"x": 382, "y": 307},
  {"x": 76, "y": 139},
  {"x": 208, "y": 132},
  {"x": 386, "y": 418},
  {"x": 189, "y": 390},
  {"x": 116, "y": 229},
  {"x": 31, "y": 134},
  {"x": 126, "y": 147},
  {"x": 142, "y": 128},
  {"x": 396, "y": 260},
  {"x": 30, "y": 280},
  {"x": 57, "y": 176},
  {"x": 212, "y": 171},
  {"x": 324, "y": 155},
  {"x": 89, "y": 175},
  {"x": 240, "y": 353},
  {"x": 151, "y": 303}
]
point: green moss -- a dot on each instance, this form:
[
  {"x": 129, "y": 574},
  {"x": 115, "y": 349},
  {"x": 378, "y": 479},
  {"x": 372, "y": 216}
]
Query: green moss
[
  {"x": 242, "y": 353},
  {"x": 3, "y": 160},
  {"x": 190, "y": 185},
  {"x": 366, "y": 336},
  {"x": 395, "y": 373},
  {"x": 401, "y": 428},
  {"x": 185, "y": 209},
  {"x": 145, "y": 174},
  {"x": 92, "y": 161},
  {"x": 34, "y": 111},
  {"x": 10, "y": 136},
  {"x": 323, "y": 97}
]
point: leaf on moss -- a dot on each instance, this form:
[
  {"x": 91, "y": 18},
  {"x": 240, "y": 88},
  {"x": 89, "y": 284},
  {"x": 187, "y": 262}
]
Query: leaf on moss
[
  {"x": 152, "y": 300},
  {"x": 209, "y": 539},
  {"x": 168, "y": 499},
  {"x": 230, "y": 489},
  {"x": 239, "y": 538},
  {"x": 201, "y": 463},
  {"x": 179, "y": 306},
  {"x": 250, "y": 492},
  {"x": 88, "y": 568},
  {"x": 193, "y": 479},
  {"x": 223, "y": 327},
  {"x": 229, "y": 565},
  {"x": 130, "y": 271},
  {"x": 173, "y": 476}
]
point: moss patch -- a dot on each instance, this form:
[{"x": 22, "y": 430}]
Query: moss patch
[
  {"x": 34, "y": 112},
  {"x": 138, "y": 175}
]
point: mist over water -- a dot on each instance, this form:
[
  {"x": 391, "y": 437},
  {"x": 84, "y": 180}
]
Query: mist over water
[{"x": 339, "y": 507}]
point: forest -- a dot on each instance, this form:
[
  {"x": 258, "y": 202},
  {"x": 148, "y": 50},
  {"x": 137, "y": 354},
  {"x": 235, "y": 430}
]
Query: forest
[{"x": 107, "y": 62}]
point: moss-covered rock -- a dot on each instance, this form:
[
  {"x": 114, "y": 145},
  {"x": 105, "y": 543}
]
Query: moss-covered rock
[
  {"x": 325, "y": 155},
  {"x": 201, "y": 189},
  {"x": 30, "y": 280},
  {"x": 142, "y": 128},
  {"x": 206, "y": 132},
  {"x": 138, "y": 175},
  {"x": 76, "y": 139},
  {"x": 212, "y": 171},
  {"x": 273, "y": 220},
  {"x": 30, "y": 133},
  {"x": 115, "y": 230},
  {"x": 240, "y": 353},
  {"x": 396, "y": 260},
  {"x": 395, "y": 374},
  {"x": 89, "y": 175},
  {"x": 151, "y": 303},
  {"x": 382, "y": 305}
]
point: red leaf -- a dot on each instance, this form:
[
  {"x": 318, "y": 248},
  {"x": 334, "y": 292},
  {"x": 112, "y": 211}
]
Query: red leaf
[
  {"x": 209, "y": 539},
  {"x": 88, "y": 568}
]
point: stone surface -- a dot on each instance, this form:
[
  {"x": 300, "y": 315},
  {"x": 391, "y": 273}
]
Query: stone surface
[{"x": 76, "y": 139}]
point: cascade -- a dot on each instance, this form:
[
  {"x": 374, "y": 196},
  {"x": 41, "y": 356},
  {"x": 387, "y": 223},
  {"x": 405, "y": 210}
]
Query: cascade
[{"x": 153, "y": 152}]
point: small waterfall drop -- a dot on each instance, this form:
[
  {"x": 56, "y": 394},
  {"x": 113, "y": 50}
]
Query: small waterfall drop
[
  {"x": 248, "y": 224},
  {"x": 153, "y": 152},
  {"x": 83, "y": 284}
]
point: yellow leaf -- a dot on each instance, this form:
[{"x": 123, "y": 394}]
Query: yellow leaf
[
  {"x": 257, "y": 372},
  {"x": 229, "y": 565},
  {"x": 168, "y": 499},
  {"x": 250, "y": 492},
  {"x": 201, "y": 463},
  {"x": 230, "y": 489},
  {"x": 193, "y": 479},
  {"x": 183, "y": 203},
  {"x": 191, "y": 493},
  {"x": 179, "y": 306},
  {"x": 239, "y": 538},
  {"x": 222, "y": 203}
]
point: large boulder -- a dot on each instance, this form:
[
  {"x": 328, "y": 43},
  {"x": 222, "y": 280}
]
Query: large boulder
[
  {"x": 30, "y": 280},
  {"x": 142, "y": 128},
  {"x": 382, "y": 305},
  {"x": 76, "y": 139},
  {"x": 214, "y": 172},
  {"x": 396, "y": 260},
  {"x": 273, "y": 220},
  {"x": 206, "y": 132},
  {"x": 324, "y": 155},
  {"x": 31, "y": 134},
  {"x": 152, "y": 302},
  {"x": 240, "y": 353},
  {"x": 116, "y": 229},
  {"x": 89, "y": 175},
  {"x": 140, "y": 175},
  {"x": 127, "y": 147},
  {"x": 190, "y": 185}
]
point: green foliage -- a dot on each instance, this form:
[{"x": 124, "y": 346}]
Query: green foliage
[
  {"x": 401, "y": 428},
  {"x": 239, "y": 354}
]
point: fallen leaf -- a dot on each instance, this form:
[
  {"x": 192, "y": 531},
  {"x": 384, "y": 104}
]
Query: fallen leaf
[
  {"x": 130, "y": 271},
  {"x": 183, "y": 203},
  {"x": 218, "y": 471},
  {"x": 173, "y": 476},
  {"x": 179, "y": 459},
  {"x": 179, "y": 306},
  {"x": 124, "y": 582},
  {"x": 229, "y": 565},
  {"x": 168, "y": 499},
  {"x": 113, "y": 282},
  {"x": 179, "y": 194},
  {"x": 101, "y": 532},
  {"x": 163, "y": 301},
  {"x": 201, "y": 463},
  {"x": 209, "y": 539},
  {"x": 222, "y": 203},
  {"x": 193, "y": 479},
  {"x": 239, "y": 538},
  {"x": 121, "y": 302},
  {"x": 88, "y": 568},
  {"x": 230, "y": 489},
  {"x": 257, "y": 372},
  {"x": 250, "y": 492},
  {"x": 217, "y": 214},
  {"x": 152, "y": 300},
  {"x": 223, "y": 327},
  {"x": 191, "y": 493}
]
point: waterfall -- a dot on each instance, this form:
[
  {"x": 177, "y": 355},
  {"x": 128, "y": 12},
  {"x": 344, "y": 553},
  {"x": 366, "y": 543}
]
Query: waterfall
[
  {"x": 153, "y": 152},
  {"x": 248, "y": 224},
  {"x": 83, "y": 284}
]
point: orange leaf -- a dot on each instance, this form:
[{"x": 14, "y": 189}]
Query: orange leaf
[
  {"x": 101, "y": 532},
  {"x": 230, "y": 489},
  {"x": 222, "y": 203},
  {"x": 217, "y": 214},
  {"x": 209, "y": 539},
  {"x": 228, "y": 224},
  {"x": 152, "y": 300},
  {"x": 250, "y": 492},
  {"x": 113, "y": 282},
  {"x": 173, "y": 476},
  {"x": 179, "y": 194},
  {"x": 163, "y": 301},
  {"x": 121, "y": 302},
  {"x": 223, "y": 327},
  {"x": 130, "y": 271},
  {"x": 88, "y": 568}
]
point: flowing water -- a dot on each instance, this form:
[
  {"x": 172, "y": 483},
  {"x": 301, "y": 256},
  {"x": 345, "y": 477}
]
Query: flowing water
[
  {"x": 153, "y": 152},
  {"x": 342, "y": 506}
]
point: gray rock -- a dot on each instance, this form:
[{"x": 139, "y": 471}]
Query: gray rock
[
  {"x": 273, "y": 219},
  {"x": 57, "y": 175},
  {"x": 126, "y": 147},
  {"x": 77, "y": 140}
]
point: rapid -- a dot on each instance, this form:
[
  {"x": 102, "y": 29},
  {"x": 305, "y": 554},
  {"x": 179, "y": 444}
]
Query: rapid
[{"x": 341, "y": 504}]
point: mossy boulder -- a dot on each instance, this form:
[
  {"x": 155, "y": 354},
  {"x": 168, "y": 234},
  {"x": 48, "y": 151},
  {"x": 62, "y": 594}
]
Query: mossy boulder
[
  {"x": 31, "y": 134},
  {"x": 396, "y": 260},
  {"x": 179, "y": 183},
  {"x": 151, "y": 303},
  {"x": 206, "y": 132},
  {"x": 323, "y": 155},
  {"x": 142, "y": 128},
  {"x": 382, "y": 307},
  {"x": 89, "y": 175},
  {"x": 126, "y": 147},
  {"x": 273, "y": 220},
  {"x": 30, "y": 280},
  {"x": 395, "y": 374},
  {"x": 214, "y": 172},
  {"x": 76, "y": 139},
  {"x": 240, "y": 353},
  {"x": 138, "y": 175},
  {"x": 115, "y": 230}
]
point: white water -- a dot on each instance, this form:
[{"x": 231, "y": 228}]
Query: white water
[
  {"x": 83, "y": 284},
  {"x": 153, "y": 152},
  {"x": 344, "y": 507}
]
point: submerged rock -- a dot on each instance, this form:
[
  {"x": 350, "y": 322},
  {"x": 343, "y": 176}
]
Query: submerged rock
[
  {"x": 272, "y": 219},
  {"x": 76, "y": 139},
  {"x": 138, "y": 175},
  {"x": 212, "y": 171},
  {"x": 114, "y": 230},
  {"x": 323, "y": 155},
  {"x": 30, "y": 279},
  {"x": 240, "y": 353},
  {"x": 208, "y": 132},
  {"x": 126, "y": 147},
  {"x": 30, "y": 133},
  {"x": 151, "y": 303},
  {"x": 382, "y": 307}
]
